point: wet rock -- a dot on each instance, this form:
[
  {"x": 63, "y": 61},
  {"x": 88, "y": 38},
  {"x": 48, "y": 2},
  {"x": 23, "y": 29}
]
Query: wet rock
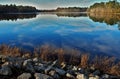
[
  {"x": 87, "y": 71},
  {"x": 97, "y": 72},
  {"x": 69, "y": 67},
  {"x": 40, "y": 69},
  {"x": 48, "y": 69},
  {"x": 24, "y": 76},
  {"x": 55, "y": 63},
  {"x": 18, "y": 65},
  {"x": 60, "y": 71},
  {"x": 27, "y": 64},
  {"x": 71, "y": 72},
  {"x": 82, "y": 70},
  {"x": 42, "y": 76},
  {"x": 5, "y": 69}
]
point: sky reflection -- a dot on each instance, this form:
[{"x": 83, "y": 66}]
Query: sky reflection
[{"x": 80, "y": 33}]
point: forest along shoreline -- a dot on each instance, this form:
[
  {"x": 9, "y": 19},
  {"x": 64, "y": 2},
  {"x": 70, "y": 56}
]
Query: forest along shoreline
[
  {"x": 111, "y": 7},
  {"x": 50, "y": 63}
]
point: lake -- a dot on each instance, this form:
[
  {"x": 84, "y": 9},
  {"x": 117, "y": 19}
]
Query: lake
[{"x": 92, "y": 33}]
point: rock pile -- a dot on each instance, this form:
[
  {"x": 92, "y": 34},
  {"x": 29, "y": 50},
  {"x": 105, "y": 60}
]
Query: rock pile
[{"x": 35, "y": 68}]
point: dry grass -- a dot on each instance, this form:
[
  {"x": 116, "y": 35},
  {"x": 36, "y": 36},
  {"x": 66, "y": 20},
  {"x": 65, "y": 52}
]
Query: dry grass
[
  {"x": 84, "y": 60},
  {"x": 107, "y": 65},
  {"x": 10, "y": 51}
]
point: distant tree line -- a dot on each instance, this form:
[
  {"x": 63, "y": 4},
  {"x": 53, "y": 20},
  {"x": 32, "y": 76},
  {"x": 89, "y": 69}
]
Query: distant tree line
[
  {"x": 16, "y": 9},
  {"x": 105, "y": 7},
  {"x": 72, "y": 9},
  {"x": 68, "y": 9},
  {"x": 14, "y": 17},
  {"x": 69, "y": 14},
  {"x": 12, "y": 8}
]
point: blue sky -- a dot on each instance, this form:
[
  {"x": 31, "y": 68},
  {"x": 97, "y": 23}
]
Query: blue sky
[{"x": 49, "y": 4}]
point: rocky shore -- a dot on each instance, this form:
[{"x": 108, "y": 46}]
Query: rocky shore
[{"x": 36, "y": 68}]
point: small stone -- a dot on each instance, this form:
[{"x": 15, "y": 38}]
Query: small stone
[
  {"x": 87, "y": 71},
  {"x": 92, "y": 68},
  {"x": 24, "y": 76},
  {"x": 82, "y": 71},
  {"x": 5, "y": 70},
  {"x": 70, "y": 76},
  {"x": 42, "y": 76},
  {"x": 70, "y": 72},
  {"x": 35, "y": 60},
  {"x": 105, "y": 76},
  {"x": 48, "y": 69},
  {"x": 55, "y": 63},
  {"x": 75, "y": 68},
  {"x": 96, "y": 77},
  {"x": 60, "y": 71},
  {"x": 80, "y": 76},
  {"x": 27, "y": 64},
  {"x": 97, "y": 72},
  {"x": 91, "y": 75},
  {"x": 39, "y": 68},
  {"x": 79, "y": 69},
  {"x": 63, "y": 65},
  {"x": 53, "y": 74},
  {"x": 2, "y": 58},
  {"x": 27, "y": 55}
]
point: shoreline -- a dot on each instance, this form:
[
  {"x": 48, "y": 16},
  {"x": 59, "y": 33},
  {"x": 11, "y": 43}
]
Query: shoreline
[
  {"x": 55, "y": 64},
  {"x": 36, "y": 68}
]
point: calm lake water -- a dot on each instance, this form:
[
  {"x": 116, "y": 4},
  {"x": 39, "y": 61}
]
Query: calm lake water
[{"x": 96, "y": 34}]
